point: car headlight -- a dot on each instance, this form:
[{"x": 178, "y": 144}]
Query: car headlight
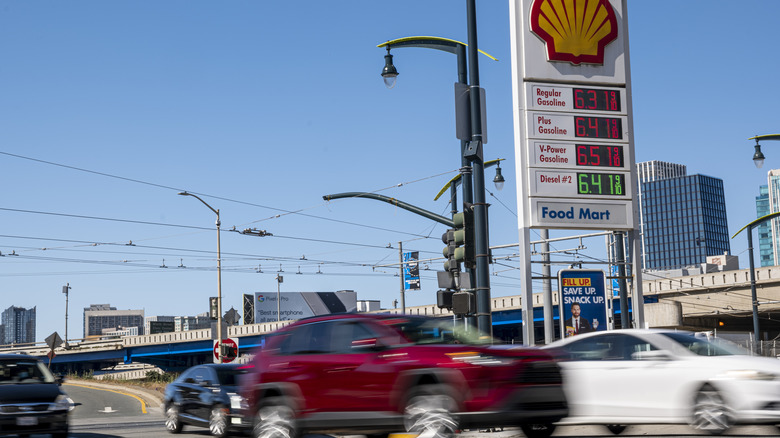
[
  {"x": 237, "y": 402},
  {"x": 749, "y": 375},
  {"x": 62, "y": 403}
]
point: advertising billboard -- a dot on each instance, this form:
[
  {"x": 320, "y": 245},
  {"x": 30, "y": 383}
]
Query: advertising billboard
[
  {"x": 583, "y": 296},
  {"x": 297, "y": 305}
]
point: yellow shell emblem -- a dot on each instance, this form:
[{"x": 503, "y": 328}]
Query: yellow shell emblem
[{"x": 575, "y": 31}]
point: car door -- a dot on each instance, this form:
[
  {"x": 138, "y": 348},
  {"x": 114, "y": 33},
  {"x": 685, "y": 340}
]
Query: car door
[
  {"x": 188, "y": 392},
  {"x": 604, "y": 378},
  {"x": 299, "y": 362},
  {"x": 357, "y": 377}
]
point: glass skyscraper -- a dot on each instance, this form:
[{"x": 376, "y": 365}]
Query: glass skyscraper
[
  {"x": 683, "y": 217},
  {"x": 765, "y": 244},
  {"x": 18, "y": 325}
]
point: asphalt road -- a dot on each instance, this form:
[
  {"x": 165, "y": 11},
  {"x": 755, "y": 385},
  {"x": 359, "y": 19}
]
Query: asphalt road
[{"x": 108, "y": 412}]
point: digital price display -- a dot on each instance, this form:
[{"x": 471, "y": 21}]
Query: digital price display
[
  {"x": 598, "y": 127},
  {"x": 597, "y": 99},
  {"x": 599, "y": 155},
  {"x": 609, "y": 184}
]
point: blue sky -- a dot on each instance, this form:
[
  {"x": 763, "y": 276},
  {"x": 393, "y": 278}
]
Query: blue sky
[{"x": 109, "y": 109}]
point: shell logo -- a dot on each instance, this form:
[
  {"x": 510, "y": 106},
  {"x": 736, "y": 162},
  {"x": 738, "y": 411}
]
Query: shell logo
[{"x": 575, "y": 31}]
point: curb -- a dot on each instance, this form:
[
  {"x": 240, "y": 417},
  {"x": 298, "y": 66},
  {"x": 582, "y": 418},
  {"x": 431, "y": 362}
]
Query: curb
[{"x": 152, "y": 399}]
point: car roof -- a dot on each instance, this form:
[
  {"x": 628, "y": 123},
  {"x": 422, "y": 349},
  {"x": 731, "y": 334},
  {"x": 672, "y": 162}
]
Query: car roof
[{"x": 631, "y": 331}]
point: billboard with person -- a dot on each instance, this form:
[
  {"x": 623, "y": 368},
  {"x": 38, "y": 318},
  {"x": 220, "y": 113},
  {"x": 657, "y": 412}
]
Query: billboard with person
[{"x": 583, "y": 301}]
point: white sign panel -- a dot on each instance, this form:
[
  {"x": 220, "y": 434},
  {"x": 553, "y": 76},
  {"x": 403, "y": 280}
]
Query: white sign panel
[
  {"x": 579, "y": 155},
  {"x": 592, "y": 214},
  {"x": 556, "y": 97},
  {"x": 563, "y": 126},
  {"x": 297, "y": 305},
  {"x": 568, "y": 184}
]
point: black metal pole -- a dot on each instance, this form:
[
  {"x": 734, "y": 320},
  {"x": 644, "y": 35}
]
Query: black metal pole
[
  {"x": 620, "y": 259},
  {"x": 753, "y": 295},
  {"x": 484, "y": 317}
]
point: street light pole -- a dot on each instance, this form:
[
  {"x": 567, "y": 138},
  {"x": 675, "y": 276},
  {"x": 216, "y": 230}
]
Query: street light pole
[
  {"x": 65, "y": 290},
  {"x": 219, "y": 276},
  {"x": 753, "y": 295}
]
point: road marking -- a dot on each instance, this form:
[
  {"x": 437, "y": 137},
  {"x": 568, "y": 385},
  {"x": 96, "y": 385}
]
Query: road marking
[
  {"x": 143, "y": 403},
  {"x": 108, "y": 410}
]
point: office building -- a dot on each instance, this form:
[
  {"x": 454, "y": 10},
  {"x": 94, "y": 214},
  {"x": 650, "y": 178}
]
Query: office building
[
  {"x": 102, "y": 316},
  {"x": 18, "y": 325},
  {"x": 197, "y": 322},
  {"x": 682, "y": 217},
  {"x": 765, "y": 242}
]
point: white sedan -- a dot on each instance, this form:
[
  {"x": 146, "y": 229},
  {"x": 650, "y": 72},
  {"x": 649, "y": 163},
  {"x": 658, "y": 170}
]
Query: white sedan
[{"x": 623, "y": 377}]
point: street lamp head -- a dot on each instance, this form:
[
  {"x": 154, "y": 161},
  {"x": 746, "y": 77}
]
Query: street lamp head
[
  {"x": 389, "y": 73},
  {"x": 184, "y": 193},
  {"x": 498, "y": 180},
  {"x": 758, "y": 157}
]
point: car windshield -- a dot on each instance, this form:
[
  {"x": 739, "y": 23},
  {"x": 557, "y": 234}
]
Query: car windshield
[
  {"x": 440, "y": 331},
  {"x": 704, "y": 347},
  {"x": 229, "y": 376},
  {"x": 24, "y": 371}
]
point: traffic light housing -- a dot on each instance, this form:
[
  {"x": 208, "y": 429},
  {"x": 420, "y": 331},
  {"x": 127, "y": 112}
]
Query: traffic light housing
[
  {"x": 464, "y": 237},
  {"x": 464, "y": 303},
  {"x": 444, "y": 299},
  {"x": 229, "y": 351},
  {"x": 451, "y": 265}
]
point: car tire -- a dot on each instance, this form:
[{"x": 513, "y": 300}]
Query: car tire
[
  {"x": 616, "y": 429},
  {"x": 173, "y": 422},
  {"x": 218, "y": 421},
  {"x": 274, "y": 419},
  {"x": 429, "y": 412},
  {"x": 710, "y": 413},
  {"x": 540, "y": 430}
]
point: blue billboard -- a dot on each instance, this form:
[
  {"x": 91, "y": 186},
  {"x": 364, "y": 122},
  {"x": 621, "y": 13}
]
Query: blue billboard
[{"x": 583, "y": 301}]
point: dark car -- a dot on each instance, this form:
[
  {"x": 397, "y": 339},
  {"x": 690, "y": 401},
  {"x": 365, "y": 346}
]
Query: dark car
[
  {"x": 205, "y": 396},
  {"x": 380, "y": 373},
  {"x": 31, "y": 398}
]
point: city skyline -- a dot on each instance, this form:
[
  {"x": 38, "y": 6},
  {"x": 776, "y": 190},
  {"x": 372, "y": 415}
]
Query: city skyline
[{"x": 110, "y": 110}]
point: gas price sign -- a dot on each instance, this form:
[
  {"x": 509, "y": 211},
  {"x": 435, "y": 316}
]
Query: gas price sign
[{"x": 578, "y": 152}]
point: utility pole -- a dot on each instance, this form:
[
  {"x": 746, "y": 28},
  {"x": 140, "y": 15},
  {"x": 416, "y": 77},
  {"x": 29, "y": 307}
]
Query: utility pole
[
  {"x": 65, "y": 290},
  {"x": 401, "y": 260}
]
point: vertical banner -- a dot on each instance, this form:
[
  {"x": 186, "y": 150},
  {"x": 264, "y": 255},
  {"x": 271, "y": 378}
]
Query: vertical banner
[
  {"x": 411, "y": 271},
  {"x": 583, "y": 297}
]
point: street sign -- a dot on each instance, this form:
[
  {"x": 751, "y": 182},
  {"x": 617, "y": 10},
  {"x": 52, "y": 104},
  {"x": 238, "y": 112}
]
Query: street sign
[
  {"x": 53, "y": 340},
  {"x": 230, "y": 346}
]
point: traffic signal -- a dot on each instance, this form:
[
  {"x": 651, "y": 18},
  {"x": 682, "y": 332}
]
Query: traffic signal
[
  {"x": 464, "y": 237},
  {"x": 444, "y": 299},
  {"x": 464, "y": 303},
  {"x": 450, "y": 264}
]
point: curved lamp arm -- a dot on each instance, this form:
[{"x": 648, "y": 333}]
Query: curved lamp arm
[{"x": 758, "y": 156}]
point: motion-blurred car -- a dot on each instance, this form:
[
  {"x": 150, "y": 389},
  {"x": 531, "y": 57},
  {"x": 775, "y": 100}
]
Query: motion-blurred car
[
  {"x": 205, "y": 396},
  {"x": 381, "y": 373},
  {"x": 624, "y": 377},
  {"x": 31, "y": 398}
]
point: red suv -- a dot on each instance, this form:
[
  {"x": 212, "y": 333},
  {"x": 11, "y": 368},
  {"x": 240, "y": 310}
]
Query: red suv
[{"x": 380, "y": 373}]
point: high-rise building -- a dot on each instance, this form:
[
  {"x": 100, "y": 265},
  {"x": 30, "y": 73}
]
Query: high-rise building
[
  {"x": 18, "y": 325},
  {"x": 682, "y": 217},
  {"x": 767, "y": 202},
  {"x": 102, "y": 316},
  {"x": 765, "y": 241}
]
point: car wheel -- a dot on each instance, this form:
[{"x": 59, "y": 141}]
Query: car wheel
[
  {"x": 429, "y": 412},
  {"x": 541, "y": 430},
  {"x": 617, "y": 429},
  {"x": 218, "y": 421},
  {"x": 172, "y": 419},
  {"x": 710, "y": 413},
  {"x": 274, "y": 419}
]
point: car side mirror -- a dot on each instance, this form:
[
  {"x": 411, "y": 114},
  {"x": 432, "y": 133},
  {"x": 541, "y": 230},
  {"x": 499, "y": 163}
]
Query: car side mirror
[
  {"x": 204, "y": 383},
  {"x": 59, "y": 379}
]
